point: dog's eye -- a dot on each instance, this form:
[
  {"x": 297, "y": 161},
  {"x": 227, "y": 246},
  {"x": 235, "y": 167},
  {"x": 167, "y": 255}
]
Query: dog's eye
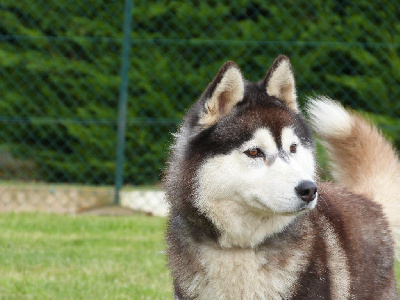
[
  {"x": 254, "y": 152},
  {"x": 293, "y": 148}
]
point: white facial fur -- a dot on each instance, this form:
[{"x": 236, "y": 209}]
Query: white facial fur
[{"x": 249, "y": 199}]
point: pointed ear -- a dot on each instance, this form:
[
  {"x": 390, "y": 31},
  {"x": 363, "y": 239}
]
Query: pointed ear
[
  {"x": 222, "y": 94},
  {"x": 280, "y": 83}
]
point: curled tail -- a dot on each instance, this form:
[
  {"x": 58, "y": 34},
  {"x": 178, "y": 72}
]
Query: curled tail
[{"x": 360, "y": 158}]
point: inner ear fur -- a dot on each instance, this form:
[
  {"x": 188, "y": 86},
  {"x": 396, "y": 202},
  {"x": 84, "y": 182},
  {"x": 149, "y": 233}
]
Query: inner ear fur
[
  {"x": 279, "y": 82},
  {"x": 222, "y": 94}
]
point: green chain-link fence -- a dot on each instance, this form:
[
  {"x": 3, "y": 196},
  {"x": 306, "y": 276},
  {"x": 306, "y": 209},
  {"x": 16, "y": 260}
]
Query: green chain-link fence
[{"x": 60, "y": 77}]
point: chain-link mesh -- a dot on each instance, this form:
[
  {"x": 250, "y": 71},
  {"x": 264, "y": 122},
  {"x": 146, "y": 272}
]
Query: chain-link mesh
[{"x": 60, "y": 67}]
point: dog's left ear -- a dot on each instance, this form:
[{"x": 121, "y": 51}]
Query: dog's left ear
[{"x": 280, "y": 83}]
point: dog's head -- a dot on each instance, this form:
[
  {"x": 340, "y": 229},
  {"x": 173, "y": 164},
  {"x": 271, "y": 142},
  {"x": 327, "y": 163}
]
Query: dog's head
[{"x": 247, "y": 154}]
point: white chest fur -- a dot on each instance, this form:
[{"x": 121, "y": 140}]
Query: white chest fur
[{"x": 247, "y": 273}]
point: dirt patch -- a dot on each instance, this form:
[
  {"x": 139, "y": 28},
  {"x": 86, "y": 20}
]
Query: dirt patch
[{"x": 109, "y": 210}]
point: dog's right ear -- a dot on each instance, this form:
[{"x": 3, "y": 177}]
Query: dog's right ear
[
  {"x": 222, "y": 94},
  {"x": 280, "y": 82}
]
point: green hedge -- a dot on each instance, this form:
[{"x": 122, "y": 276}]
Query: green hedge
[{"x": 60, "y": 73}]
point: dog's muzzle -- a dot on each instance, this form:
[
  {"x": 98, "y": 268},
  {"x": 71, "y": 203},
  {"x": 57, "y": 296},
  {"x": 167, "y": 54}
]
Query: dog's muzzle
[{"x": 306, "y": 190}]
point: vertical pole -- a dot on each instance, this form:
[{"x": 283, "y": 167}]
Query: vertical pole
[{"x": 123, "y": 96}]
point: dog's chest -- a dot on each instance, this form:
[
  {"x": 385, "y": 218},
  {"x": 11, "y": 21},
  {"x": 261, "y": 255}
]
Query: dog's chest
[{"x": 247, "y": 274}]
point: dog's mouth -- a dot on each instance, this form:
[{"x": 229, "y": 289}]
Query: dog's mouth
[
  {"x": 307, "y": 206},
  {"x": 258, "y": 204},
  {"x": 295, "y": 212}
]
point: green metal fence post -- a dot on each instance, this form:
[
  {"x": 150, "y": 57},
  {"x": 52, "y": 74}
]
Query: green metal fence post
[{"x": 123, "y": 96}]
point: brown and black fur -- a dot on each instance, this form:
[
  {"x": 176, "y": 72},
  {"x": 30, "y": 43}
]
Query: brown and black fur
[
  {"x": 357, "y": 221},
  {"x": 344, "y": 239},
  {"x": 364, "y": 234}
]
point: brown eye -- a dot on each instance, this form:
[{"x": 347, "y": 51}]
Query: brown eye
[
  {"x": 254, "y": 152},
  {"x": 293, "y": 148}
]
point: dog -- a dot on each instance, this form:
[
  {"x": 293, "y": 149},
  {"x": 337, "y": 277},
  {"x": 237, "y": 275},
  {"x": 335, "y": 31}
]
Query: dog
[{"x": 249, "y": 218}]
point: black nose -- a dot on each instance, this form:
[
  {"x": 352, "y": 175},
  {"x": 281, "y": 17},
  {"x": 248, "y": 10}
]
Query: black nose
[{"x": 307, "y": 190}]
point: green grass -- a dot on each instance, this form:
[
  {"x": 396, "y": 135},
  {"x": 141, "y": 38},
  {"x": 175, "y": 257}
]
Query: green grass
[{"x": 45, "y": 256}]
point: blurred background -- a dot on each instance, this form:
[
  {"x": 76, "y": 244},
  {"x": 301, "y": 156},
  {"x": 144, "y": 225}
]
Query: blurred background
[{"x": 83, "y": 82}]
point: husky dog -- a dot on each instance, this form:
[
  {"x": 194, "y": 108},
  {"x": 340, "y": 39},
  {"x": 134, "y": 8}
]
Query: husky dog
[{"x": 248, "y": 219}]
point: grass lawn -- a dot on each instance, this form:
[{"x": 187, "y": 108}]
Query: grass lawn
[{"x": 44, "y": 256}]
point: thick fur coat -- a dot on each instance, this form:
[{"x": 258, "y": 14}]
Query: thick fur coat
[{"x": 249, "y": 219}]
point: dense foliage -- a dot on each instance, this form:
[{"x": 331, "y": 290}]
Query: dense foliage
[{"x": 60, "y": 65}]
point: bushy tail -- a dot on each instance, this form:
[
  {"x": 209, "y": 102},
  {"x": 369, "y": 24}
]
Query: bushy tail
[{"x": 360, "y": 158}]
